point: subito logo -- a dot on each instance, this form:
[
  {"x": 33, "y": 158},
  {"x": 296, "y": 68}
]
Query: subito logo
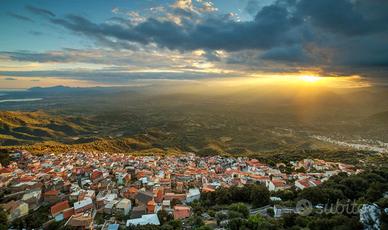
[{"x": 304, "y": 207}]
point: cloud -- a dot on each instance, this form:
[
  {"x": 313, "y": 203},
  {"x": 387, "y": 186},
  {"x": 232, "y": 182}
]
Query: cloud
[
  {"x": 20, "y": 17},
  {"x": 118, "y": 60},
  {"x": 343, "y": 17},
  {"x": 269, "y": 29},
  {"x": 36, "y": 57},
  {"x": 254, "y": 6},
  {"x": 114, "y": 77},
  {"x": 207, "y": 6},
  {"x": 184, "y": 4},
  {"x": 291, "y": 54},
  {"x": 336, "y": 36},
  {"x": 40, "y": 11}
]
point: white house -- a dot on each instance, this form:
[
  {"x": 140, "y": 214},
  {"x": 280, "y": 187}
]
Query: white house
[
  {"x": 83, "y": 205},
  {"x": 151, "y": 219},
  {"x": 193, "y": 194},
  {"x": 276, "y": 185},
  {"x": 124, "y": 206}
]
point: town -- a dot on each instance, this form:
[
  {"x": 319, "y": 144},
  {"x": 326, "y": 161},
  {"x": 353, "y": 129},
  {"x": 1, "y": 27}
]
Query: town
[{"x": 112, "y": 191}]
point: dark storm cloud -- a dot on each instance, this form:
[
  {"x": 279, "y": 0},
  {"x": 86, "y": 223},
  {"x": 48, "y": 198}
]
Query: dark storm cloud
[
  {"x": 20, "y": 17},
  {"x": 252, "y": 7},
  {"x": 291, "y": 54},
  {"x": 341, "y": 16},
  {"x": 339, "y": 36},
  {"x": 40, "y": 11},
  {"x": 268, "y": 29}
]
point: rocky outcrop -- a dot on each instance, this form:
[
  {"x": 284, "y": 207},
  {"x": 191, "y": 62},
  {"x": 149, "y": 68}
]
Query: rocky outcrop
[{"x": 370, "y": 216}]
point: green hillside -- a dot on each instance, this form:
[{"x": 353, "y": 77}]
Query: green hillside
[{"x": 29, "y": 127}]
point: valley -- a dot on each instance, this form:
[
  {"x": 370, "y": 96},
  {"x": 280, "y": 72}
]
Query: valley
[{"x": 146, "y": 120}]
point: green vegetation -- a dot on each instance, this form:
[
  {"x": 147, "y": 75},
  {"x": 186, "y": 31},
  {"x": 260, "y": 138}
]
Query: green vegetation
[
  {"x": 231, "y": 204},
  {"x": 169, "y": 140},
  {"x": 3, "y": 219},
  {"x": 33, "y": 220},
  {"x": 269, "y": 124},
  {"x": 265, "y": 123},
  {"x": 4, "y": 157},
  {"x": 239, "y": 208},
  {"x": 257, "y": 195},
  {"x": 29, "y": 127},
  {"x": 366, "y": 187}
]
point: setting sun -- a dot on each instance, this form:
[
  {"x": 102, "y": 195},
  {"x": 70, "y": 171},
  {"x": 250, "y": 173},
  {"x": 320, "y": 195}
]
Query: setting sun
[{"x": 310, "y": 79}]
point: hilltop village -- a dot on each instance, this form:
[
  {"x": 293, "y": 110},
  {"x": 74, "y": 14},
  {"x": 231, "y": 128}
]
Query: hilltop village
[{"x": 117, "y": 191}]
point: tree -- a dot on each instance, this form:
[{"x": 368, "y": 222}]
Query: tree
[
  {"x": 4, "y": 158},
  {"x": 335, "y": 222},
  {"x": 211, "y": 213},
  {"x": 260, "y": 222},
  {"x": 270, "y": 212},
  {"x": 319, "y": 195},
  {"x": 285, "y": 195},
  {"x": 239, "y": 194},
  {"x": 167, "y": 227},
  {"x": 3, "y": 219},
  {"x": 223, "y": 196},
  {"x": 289, "y": 220},
  {"x": 55, "y": 225},
  {"x": 375, "y": 191},
  {"x": 196, "y": 221},
  {"x": 236, "y": 224},
  {"x": 164, "y": 216},
  {"x": 205, "y": 227},
  {"x": 383, "y": 202},
  {"x": 220, "y": 216},
  {"x": 233, "y": 214},
  {"x": 176, "y": 224},
  {"x": 355, "y": 187},
  {"x": 197, "y": 207},
  {"x": 259, "y": 195},
  {"x": 240, "y": 208}
]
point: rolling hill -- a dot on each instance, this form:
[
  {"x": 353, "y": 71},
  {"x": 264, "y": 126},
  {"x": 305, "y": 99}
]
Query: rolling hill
[{"x": 29, "y": 127}]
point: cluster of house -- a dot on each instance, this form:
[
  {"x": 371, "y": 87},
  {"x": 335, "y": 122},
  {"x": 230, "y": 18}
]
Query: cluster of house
[{"x": 79, "y": 186}]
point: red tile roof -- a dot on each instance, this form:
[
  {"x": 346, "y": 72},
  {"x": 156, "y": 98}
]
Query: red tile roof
[
  {"x": 51, "y": 193},
  {"x": 57, "y": 208},
  {"x": 68, "y": 213},
  {"x": 95, "y": 175},
  {"x": 181, "y": 212},
  {"x": 132, "y": 190},
  {"x": 278, "y": 183},
  {"x": 5, "y": 170},
  {"x": 206, "y": 189},
  {"x": 26, "y": 178},
  {"x": 304, "y": 182}
]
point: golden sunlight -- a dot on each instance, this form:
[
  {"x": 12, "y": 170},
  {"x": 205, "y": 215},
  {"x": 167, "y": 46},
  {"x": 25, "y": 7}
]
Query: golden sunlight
[
  {"x": 297, "y": 80},
  {"x": 310, "y": 79}
]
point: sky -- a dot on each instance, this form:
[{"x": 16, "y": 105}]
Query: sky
[{"x": 99, "y": 42}]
